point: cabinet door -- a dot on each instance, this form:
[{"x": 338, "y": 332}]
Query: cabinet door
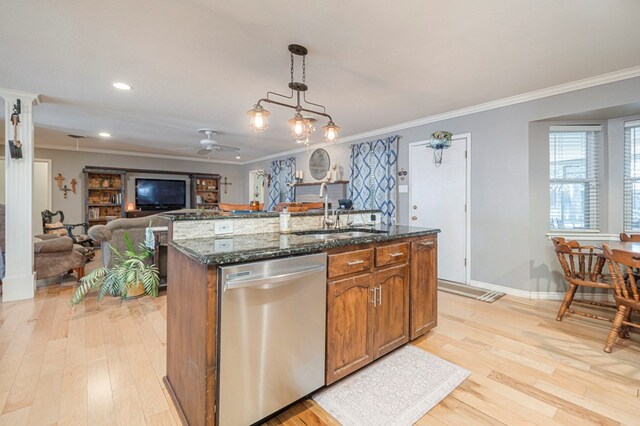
[
  {"x": 349, "y": 326},
  {"x": 391, "y": 329},
  {"x": 424, "y": 286}
]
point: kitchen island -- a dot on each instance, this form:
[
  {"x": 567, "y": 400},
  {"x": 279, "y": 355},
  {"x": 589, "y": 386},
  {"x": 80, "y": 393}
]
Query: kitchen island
[{"x": 381, "y": 285}]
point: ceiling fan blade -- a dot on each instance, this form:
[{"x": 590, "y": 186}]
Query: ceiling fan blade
[
  {"x": 186, "y": 148},
  {"x": 225, "y": 148},
  {"x": 204, "y": 151}
]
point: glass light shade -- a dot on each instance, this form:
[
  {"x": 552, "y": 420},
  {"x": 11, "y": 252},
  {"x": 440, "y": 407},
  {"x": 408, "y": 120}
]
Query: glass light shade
[
  {"x": 331, "y": 132},
  {"x": 259, "y": 122},
  {"x": 299, "y": 128},
  {"x": 310, "y": 123}
]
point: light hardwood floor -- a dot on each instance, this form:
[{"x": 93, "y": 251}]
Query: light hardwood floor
[{"x": 104, "y": 365}]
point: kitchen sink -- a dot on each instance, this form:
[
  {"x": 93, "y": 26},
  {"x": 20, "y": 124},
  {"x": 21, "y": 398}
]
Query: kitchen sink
[{"x": 334, "y": 234}]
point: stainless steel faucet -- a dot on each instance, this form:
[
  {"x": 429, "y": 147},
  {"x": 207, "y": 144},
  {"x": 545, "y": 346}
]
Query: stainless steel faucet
[{"x": 326, "y": 222}]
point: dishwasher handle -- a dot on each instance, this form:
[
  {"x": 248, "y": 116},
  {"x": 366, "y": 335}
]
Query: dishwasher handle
[{"x": 266, "y": 282}]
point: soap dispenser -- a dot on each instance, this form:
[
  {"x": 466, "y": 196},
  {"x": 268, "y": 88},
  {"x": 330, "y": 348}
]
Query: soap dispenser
[{"x": 285, "y": 221}]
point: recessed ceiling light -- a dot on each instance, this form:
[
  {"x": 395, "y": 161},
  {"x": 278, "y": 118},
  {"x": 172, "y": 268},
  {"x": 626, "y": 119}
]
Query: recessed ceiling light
[
  {"x": 104, "y": 134},
  {"x": 237, "y": 157},
  {"x": 121, "y": 86}
]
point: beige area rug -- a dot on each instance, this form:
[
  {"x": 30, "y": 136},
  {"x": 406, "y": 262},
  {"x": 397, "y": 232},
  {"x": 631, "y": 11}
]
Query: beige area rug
[
  {"x": 488, "y": 296},
  {"x": 396, "y": 390}
]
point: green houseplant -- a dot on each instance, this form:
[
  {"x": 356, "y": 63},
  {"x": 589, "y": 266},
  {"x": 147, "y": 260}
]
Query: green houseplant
[{"x": 129, "y": 276}]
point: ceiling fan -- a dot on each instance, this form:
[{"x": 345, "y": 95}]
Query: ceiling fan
[{"x": 209, "y": 146}]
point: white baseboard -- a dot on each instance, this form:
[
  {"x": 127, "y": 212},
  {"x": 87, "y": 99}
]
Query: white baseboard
[
  {"x": 540, "y": 295},
  {"x": 18, "y": 287}
]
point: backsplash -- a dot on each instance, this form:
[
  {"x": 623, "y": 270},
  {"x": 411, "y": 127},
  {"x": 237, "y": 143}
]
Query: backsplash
[{"x": 206, "y": 228}]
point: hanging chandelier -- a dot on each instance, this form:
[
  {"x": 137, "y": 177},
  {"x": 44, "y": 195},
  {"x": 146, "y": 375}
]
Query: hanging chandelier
[{"x": 302, "y": 126}]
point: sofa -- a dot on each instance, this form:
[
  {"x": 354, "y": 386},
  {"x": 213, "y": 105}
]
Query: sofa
[{"x": 112, "y": 234}]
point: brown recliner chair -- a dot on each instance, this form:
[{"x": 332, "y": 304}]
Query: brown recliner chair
[
  {"x": 53, "y": 254},
  {"x": 56, "y": 255}
]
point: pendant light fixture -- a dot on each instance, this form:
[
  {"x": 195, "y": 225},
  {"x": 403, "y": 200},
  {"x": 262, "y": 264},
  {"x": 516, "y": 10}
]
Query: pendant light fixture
[{"x": 302, "y": 126}]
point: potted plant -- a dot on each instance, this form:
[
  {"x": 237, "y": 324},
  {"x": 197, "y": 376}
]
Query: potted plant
[{"x": 130, "y": 276}]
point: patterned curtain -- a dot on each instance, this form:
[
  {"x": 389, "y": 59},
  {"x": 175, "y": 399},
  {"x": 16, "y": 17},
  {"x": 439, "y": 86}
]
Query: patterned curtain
[
  {"x": 372, "y": 183},
  {"x": 290, "y": 177},
  {"x": 274, "y": 190},
  {"x": 359, "y": 189}
]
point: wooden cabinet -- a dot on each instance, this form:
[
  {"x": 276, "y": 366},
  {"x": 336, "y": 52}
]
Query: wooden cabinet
[
  {"x": 424, "y": 286},
  {"x": 367, "y": 313},
  {"x": 391, "y": 328},
  {"x": 104, "y": 195},
  {"x": 350, "y": 262},
  {"x": 205, "y": 191},
  {"x": 379, "y": 297},
  {"x": 350, "y": 314},
  {"x": 392, "y": 254}
]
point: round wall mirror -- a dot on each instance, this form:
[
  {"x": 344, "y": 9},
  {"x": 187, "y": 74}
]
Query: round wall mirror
[{"x": 319, "y": 164}]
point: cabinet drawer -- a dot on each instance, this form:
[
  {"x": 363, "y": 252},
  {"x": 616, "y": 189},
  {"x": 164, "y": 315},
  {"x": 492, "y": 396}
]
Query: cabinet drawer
[
  {"x": 350, "y": 262},
  {"x": 392, "y": 254}
]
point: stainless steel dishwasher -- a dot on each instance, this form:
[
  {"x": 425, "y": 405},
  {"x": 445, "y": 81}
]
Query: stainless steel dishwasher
[{"x": 272, "y": 336}]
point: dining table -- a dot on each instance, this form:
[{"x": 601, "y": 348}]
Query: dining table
[{"x": 633, "y": 247}]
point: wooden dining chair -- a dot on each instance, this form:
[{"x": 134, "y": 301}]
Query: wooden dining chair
[
  {"x": 625, "y": 288},
  {"x": 582, "y": 267},
  {"x": 629, "y": 238}
]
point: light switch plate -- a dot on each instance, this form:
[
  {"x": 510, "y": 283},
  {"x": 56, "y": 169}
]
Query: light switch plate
[
  {"x": 222, "y": 227},
  {"x": 402, "y": 189}
]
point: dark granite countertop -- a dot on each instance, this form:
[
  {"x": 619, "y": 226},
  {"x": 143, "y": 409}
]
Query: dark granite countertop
[
  {"x": 230, "y": 249},
  {"x": 193, "y": 215}
]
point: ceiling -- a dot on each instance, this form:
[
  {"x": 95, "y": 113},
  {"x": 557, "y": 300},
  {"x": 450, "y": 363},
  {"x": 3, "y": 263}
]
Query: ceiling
[{"x": 204, "y": 63}]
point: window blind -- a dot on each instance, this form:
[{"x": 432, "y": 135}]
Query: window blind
[
  {"x": 632, "y": 176},
  {"x": 574, "y": 177}
]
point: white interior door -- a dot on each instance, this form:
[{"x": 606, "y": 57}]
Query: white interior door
[
  {"x": 438, "y": 199},
  {"x": 41, "y": 190}
]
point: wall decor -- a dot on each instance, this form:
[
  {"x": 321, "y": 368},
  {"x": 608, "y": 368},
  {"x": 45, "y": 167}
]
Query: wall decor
[
  {"x": 402, "y": 173},
  {"x": 73, "y": 182},
  {"x": 319, "y": 164},
  {"x": 439, "y": 141},
  {"x": 15, "y": 146},
  {"x": 59, "y": 178},
  {"x": 225, "y": 183},
  {"x": 65, "y": 189}
]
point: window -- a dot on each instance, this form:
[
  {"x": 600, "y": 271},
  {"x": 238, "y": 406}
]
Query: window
[
  {"x": 573, "y": 177},
  {"x": 632, "y": 176}
]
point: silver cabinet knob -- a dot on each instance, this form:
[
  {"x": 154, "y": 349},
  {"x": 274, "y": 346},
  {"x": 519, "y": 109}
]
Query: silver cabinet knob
[
  {"x": 415, "y": 207},
  {"x": 414, "y": 217}
]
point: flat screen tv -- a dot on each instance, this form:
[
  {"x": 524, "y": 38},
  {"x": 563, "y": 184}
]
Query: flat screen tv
[{"x": 160, "y": 194}]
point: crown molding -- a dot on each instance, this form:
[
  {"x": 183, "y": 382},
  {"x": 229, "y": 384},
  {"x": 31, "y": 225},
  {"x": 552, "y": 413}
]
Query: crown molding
[
  {"x": 137, "y": 154},
  {"x": 34, "y": 98},
  {"x": 585, "y": 83}
]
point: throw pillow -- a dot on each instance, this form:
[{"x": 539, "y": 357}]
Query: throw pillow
[{"x": 62, "y": 231}]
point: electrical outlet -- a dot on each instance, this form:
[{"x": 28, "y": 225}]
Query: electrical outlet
[
  {"x": 223, "y": 245},
  {"x": 223, "y": 227},
  {"x": 402, "y": 189}
]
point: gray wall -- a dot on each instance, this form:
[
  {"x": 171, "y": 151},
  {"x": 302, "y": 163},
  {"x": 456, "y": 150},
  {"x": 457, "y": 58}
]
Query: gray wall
[
  {"x": 71, "y": 163},
  {"x": 509, "y": 203}
]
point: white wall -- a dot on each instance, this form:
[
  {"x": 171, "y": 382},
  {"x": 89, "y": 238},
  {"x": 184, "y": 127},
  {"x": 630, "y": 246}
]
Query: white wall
[{"x": 509, "y": 219}]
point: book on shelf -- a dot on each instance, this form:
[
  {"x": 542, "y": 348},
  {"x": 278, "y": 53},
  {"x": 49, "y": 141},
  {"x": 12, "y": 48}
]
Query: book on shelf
[{"x": 115, "y": 198}]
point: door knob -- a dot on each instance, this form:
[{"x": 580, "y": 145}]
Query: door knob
[
  {"x": 415, "y": 207},
  {"x": 414, "y": 217}
]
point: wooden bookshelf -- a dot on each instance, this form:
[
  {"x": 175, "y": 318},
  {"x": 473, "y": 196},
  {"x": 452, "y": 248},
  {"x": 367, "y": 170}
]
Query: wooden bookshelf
[
  {"x": 105, "y": 193},
  {"x": 205, "y": 191}
]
